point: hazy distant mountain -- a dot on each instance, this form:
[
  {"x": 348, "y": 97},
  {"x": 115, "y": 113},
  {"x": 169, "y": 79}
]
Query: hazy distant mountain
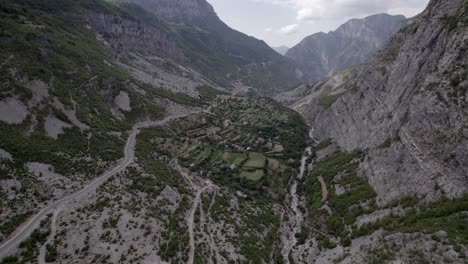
[
  {"x": 281, "y": 50},
  {"x": 323, "y": 54}
]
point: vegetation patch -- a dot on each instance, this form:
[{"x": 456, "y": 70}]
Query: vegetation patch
[
  {"x": 392, "y": 53},
  {"x": 323, "y": 145},
  {"x": 209, "y": 93},
  {"x": 253, "y": 176},
  {"x": 256, "y": 160},
  {"x": 326, "y": 100},
  {"x": 340, "y": 169},
  {"x": 9, "y": 226},
  {"x": 448, "y": 214}
]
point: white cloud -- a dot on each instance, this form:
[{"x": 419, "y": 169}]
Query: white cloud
[
  {"x": 338, "y": 9},
  {"x": 305, "y": 17},
  {"x": 289, "y": 29}
]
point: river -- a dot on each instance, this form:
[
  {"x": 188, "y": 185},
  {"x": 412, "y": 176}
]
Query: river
[{"x": 293, "y": 224}]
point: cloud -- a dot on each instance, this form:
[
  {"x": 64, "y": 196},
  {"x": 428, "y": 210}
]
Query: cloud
[
  {"x": 339, "y": 9},
  {"x": 305, "y": 17},
  {"x": 289, "y": 29}
]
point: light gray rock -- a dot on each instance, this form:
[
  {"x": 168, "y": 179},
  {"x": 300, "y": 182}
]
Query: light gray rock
[
  {"x": 40, "y": 91},
  {"x": 13, "y": 111},
  {"x": 54, "y": 126},
  {"x": 5, "y": 154},
  {"x": 123, "y": 101}
]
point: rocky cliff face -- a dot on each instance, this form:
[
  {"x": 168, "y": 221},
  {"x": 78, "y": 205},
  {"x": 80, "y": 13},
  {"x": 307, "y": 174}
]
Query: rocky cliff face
[
  {"x": 408, "y": 106},
  {"x": 353, "y": 43},
  {"x": 124, "y": 35}
]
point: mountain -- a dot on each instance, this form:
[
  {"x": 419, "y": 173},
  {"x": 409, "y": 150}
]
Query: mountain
[
  {"x": 323, "y": 54},
  {"x": 281, "y": 49},
  {"x": 226, "y": 56}
]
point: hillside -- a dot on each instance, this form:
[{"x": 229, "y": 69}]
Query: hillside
[{"x": 353, "y": 43}]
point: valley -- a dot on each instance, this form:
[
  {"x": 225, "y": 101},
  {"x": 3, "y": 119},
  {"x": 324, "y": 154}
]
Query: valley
[{"x": 148, "y": 131}]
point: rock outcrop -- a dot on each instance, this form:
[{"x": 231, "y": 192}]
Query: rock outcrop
[{"x": 408, "y": 107}]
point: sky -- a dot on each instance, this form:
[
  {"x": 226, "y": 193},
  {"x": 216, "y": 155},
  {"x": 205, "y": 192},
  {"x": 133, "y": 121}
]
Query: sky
[{"x": 287, "y": 22}]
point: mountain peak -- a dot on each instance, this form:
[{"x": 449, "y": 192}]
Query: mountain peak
[{"x": 382, "y": 25}]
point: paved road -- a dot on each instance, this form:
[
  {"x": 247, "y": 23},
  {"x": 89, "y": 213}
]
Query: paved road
[{"x": 24, "y": 231}]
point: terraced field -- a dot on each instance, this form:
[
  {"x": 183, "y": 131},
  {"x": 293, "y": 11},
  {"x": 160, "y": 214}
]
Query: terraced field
[{"x": 248, "y": 144}]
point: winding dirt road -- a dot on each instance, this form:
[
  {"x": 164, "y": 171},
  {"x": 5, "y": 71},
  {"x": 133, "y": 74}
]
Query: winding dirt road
[
  {"x": 199, "y": 185},
  {"x": 53, "y": 230},
  {"x": 190, "y": 223},
  {"x": 24, "y": 231}
]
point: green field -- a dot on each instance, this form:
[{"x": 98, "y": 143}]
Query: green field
[
  {"x": 253, "y": 176},
  {"x": 256, "y": 160},
  {"x": 235, "y": 158}
]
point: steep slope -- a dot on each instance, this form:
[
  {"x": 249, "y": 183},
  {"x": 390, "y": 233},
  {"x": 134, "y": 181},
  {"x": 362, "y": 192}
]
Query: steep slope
[
  {"x": 353, "y": 43},
  {"x": 221, "y": 53},
  {"x": 408, "y": 106}
]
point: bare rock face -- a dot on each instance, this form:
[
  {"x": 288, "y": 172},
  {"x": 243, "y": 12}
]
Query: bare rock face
[
  {"x": 125, "y": 35},
  {"x": 353, "y": 43},
  {"x": 408, "y": 106}
]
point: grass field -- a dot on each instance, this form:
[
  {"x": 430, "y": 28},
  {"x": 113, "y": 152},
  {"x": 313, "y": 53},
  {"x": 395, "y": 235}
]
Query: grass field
[
  {"x": 253, "y": 176},
  {"x": 256, "y": 160},
  {"x": 235, "y": 158}
]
